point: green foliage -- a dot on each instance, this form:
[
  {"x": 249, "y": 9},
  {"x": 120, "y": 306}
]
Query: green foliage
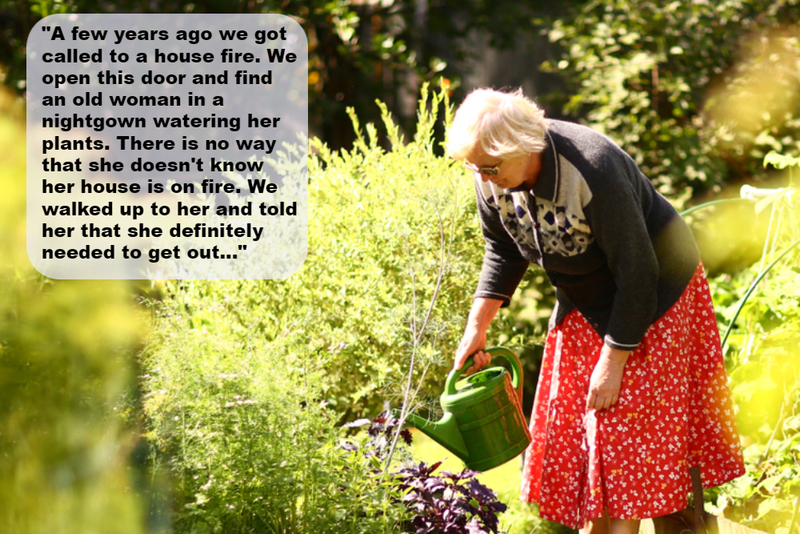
[
  {"x": 66, "y": 354},
  {"x": 697, "y": 92},
  {"x": 780, "y": 161},
  {"x": 385, "y": 229},
  {"x": 366, "y": 501},
  {"x": 384, "y": 224},
  {"x": 237, "y": 420},
  {"x": 764, "y": 367},
  {"x": 247, "y": 381},
  {"x": 358, "y": 51}
]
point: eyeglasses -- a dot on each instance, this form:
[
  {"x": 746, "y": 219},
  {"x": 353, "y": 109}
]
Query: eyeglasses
[{"x": 488, "y": 171}]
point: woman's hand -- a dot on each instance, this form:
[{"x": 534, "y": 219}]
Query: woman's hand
[
  {"x": 606, "y": 378},
  {"x": 472, "y": 344},
  {"x": 474, "y": 339}
]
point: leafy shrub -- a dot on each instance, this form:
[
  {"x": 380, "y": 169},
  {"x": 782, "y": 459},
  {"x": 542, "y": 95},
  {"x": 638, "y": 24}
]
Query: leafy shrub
[
  {"x": 446, "y": 503},
  {"x": 385, "y": 228},
  {"x": 66, "y": 355},
  {"x": 449, "y": 503},
  {"x": 697, "y": 92},
  {"x": 247, "y": 381},
  {"x": 238, "y": 423},
  {"x": 764, "y": 368}
]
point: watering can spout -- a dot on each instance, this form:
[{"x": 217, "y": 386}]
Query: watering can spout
[{"x": 445, "y": 432}]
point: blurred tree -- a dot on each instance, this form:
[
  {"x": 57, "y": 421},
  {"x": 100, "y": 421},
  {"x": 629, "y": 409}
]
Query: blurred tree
[
  {"x": 66, "y": 353},
  {"x": 359, "y": 50},
  {"x": 696, "y": 91}
]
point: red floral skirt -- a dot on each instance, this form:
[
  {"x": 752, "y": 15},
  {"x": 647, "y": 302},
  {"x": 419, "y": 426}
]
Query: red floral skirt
[{"x": 632, "y": 460}]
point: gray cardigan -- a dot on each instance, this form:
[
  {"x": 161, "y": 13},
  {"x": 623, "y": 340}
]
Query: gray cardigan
[{"x": 612, "y": 246}]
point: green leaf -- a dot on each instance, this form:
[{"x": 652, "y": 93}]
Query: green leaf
[
  {"x": 769, "y": 484},
  {"x": 773, "y": 504},
  {"x": 780, "y": 161}
]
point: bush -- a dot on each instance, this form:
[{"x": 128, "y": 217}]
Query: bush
[
  {"x": 761, "y": 349},
  {"x": 644, "y": 73},
  {"x": 384, "y": 228},
  {"x": 66, "y": 370},
  {"x": 448, "y": 503},
  {"x": 248, "y": 381},
  {"x": 238, "y": 422}
]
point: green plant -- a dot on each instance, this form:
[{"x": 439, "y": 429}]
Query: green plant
[
  {"x": 758, "y": 310},
  {"x": 384, "y": 221},
  {"x": 246, "y": 381},
  {"x": 66, "y": 367},
  {"x": 641, "y": 71},
  {"x": 238, "y": 423}
]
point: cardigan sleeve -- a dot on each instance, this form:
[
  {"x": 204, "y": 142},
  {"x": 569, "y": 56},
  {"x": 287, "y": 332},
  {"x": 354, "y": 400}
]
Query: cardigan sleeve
[
  {"x": 616, "y": 215},
  {"x": 503, "y": 264}
]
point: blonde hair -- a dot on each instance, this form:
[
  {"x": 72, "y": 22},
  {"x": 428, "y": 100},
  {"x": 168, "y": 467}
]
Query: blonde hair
[{"x": 503, "y": 125}]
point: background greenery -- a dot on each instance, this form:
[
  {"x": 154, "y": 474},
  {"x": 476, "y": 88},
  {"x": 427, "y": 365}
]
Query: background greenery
[
  {"x": 359, "y": 51},
  {"x": 218, "y": 406},
  {"x": 66, "y": 359},
  {"x": 697, "y": 92}
]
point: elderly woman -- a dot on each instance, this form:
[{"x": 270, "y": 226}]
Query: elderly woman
[{"x": 632, "y": 391}]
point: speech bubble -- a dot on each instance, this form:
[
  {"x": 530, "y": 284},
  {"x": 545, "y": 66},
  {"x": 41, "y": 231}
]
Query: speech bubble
[{"x": 167, "y": 146}]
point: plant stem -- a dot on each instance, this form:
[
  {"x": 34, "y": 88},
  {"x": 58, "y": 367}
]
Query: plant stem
[
  {"x": 684, "y": 213},
  {"x": 416, "y": 336},
  {"x": 751, "y": 289},
  {"x": 794, "y": 515},
  {"x": 774, "y": 431}
]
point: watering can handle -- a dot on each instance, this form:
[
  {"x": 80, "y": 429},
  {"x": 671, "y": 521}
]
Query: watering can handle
[{"x": 510, "y": 356}]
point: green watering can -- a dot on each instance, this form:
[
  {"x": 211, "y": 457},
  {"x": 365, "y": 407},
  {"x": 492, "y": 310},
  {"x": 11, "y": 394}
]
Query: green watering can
[{"x": 483, "y": 422}]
